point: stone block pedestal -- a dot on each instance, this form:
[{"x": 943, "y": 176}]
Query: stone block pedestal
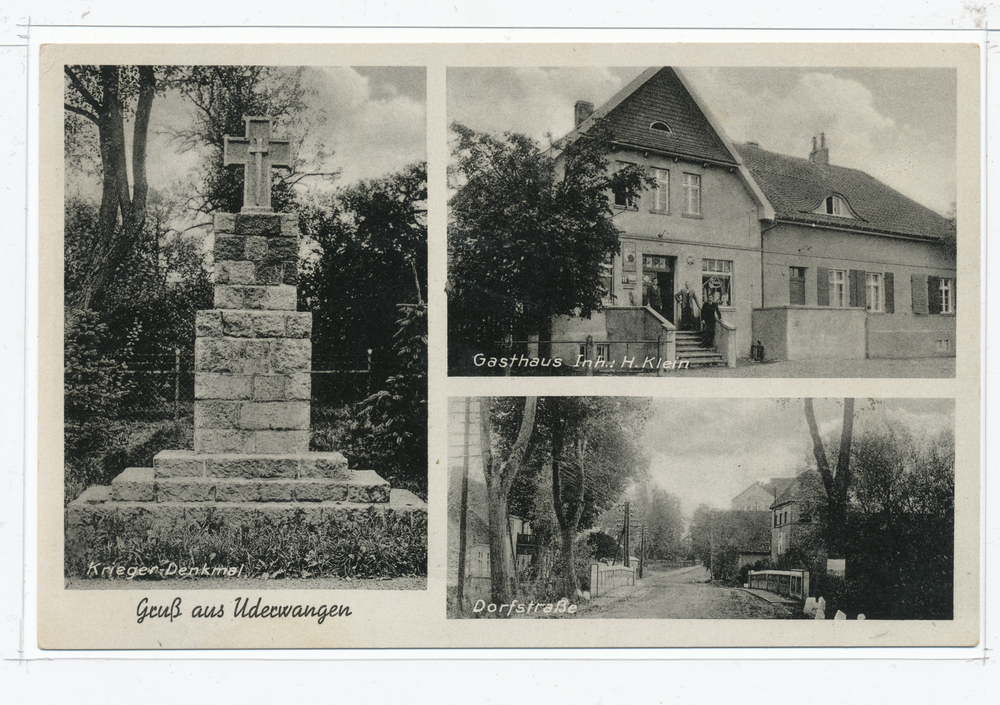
[{"x": 252, "y": 404}]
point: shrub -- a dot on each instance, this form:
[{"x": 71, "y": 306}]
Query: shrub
[{"x": 370, "y": 544}]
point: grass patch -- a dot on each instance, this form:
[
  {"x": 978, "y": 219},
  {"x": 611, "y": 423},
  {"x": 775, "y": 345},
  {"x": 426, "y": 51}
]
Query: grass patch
[{"x": 371, "y": 544}]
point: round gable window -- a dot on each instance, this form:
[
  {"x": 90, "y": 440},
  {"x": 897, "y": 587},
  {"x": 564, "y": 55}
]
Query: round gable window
[{"x": 660, "y": 127}]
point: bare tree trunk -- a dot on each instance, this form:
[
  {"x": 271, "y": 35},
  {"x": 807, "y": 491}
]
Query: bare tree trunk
[
  {"x": 836, "y": 482},
  {"x": 568, "y": 476},
  {"x": 122, "y": 215},
  {"x": 500, "y": 475}
]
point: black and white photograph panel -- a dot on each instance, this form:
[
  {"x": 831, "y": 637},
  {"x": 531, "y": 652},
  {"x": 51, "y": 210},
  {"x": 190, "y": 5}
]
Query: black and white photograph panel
[
  {"x": 735, "y": 509},
  {"x": 245, "y": 327},
  {"x": 723, "y": 222}
]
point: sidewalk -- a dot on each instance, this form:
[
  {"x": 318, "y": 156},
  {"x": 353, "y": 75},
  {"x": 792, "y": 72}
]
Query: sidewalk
[{"x": 930, "y": 367}]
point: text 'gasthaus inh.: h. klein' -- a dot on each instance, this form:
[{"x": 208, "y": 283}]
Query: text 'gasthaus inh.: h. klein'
[{"x": 651, "y": 362}]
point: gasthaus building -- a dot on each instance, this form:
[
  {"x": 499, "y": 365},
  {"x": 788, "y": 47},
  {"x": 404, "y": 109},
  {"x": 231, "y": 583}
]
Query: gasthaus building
[{"x": 807, "y": 260}]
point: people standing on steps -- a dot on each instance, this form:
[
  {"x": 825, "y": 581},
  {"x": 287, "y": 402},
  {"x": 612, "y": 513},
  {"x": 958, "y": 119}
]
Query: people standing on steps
[
  {"x": 690, "y": 307},
  {"x": 710, "y": 315}
]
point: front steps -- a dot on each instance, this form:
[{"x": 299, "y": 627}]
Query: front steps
[{"x": 689, "y": 347}]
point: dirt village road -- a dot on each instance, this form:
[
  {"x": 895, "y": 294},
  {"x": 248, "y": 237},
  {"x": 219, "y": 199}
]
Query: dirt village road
[{"x": 683, "y": 594}]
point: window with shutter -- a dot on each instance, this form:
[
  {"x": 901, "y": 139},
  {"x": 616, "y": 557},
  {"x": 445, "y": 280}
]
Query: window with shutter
[
  {"x": 822, "y": 286},
  {"x": 918, "y": 293},
  {"x": 933, "y": 295},
  {"x": 946, "y": 295},
  {"x": 840, "y": 288},
  {"x": 857, "y": 282},
  {"x": 874, "y": 292}
]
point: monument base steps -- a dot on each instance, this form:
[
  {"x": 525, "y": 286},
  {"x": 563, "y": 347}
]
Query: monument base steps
[{"x": 190, "y": 495}]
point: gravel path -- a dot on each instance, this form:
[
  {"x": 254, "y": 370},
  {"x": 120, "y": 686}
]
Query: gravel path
[{"x": 682, "y": 594}]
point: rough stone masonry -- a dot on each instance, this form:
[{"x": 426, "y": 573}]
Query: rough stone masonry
[{"x": 252, "y": 391}]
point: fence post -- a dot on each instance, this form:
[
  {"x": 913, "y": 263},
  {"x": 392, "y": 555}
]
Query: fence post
[
  {"x": 368, "y": 383},
  {"x": 177, "y": 384}
]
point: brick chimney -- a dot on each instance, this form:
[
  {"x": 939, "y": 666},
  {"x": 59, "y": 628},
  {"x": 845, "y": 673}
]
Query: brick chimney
[
  {"x": 820, "y": 156},
  {"x": 582, "y": 111}
]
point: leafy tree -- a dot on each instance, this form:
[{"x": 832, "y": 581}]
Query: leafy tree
[
  {"x": 109, "y": 97},
  {"x": 149, "y": 306},
  {"x": 660, "y": 512},
  {"x": 222, "y": 96},
  {"x": 595, "y": 454},
  {"x": 903, "y": 491},
  {"x": 372, "y": 256},
  {"x": 602, "y": 545},
  {"x": 529, "y": 232},
  {"x": 894, "y": 474},
  {"x": 702, "y": 526},
  {"x": 396, "y": 416}
]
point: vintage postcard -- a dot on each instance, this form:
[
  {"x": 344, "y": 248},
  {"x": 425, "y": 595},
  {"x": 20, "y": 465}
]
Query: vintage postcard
[{"x": 369, "y": 346}]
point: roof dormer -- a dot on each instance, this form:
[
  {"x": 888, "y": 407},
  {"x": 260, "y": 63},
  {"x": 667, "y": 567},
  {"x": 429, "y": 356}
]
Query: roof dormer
[{"x": 836, "y": 205}]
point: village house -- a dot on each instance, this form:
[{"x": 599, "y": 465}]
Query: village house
[
  {"x": 795, "y": 515},
  {"x": 806, "y": 259},
  {"x": 759, "y": 497}
]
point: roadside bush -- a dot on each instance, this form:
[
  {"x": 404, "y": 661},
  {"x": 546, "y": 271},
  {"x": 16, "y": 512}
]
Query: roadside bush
[{"x": 112, "y": 446}]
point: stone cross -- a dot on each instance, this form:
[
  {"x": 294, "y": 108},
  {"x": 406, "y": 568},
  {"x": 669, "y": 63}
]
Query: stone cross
[{"x": 257, "y": 153}]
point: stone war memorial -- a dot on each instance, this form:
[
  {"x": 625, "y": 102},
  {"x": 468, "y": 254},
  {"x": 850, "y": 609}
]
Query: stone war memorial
[{"x": 251, "y": 465}]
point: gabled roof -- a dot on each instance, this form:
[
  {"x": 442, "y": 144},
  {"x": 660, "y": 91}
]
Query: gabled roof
[
  {"x": 805, "y": 487},
  {"x": 662, "y": 94},
  {"x": 659, "y": 95},
  {"x": 751, "y": 488},
  {"x": 777, "y": 485},
  {"x": 797, "y": 187}
]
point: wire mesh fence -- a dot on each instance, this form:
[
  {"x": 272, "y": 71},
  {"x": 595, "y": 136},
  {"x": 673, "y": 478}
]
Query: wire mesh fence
[{"x": 160, "y": 387}]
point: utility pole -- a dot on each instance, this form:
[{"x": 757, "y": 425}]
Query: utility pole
[
  {"x": 464, "y": 505},
  {"x": 628, "y": 537},
  {"x": 642, "y": 549}
]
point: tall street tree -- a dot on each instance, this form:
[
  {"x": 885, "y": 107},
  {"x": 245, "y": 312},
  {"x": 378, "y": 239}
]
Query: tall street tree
[
  {"x": 530, "y": 230},
  {"x": 503, "y": 456},
  {"x": 109, "y": 98},
  {"x": 595, "y": 455},
  {"x": 836, "y": 475}
]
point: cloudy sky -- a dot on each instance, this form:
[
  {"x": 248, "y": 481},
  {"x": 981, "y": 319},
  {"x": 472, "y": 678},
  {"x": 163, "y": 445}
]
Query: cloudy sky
[
  {"x": 372, "y": 119},
  {"x": 898, "y": 125},
  {"x": 707, "y": 451}
]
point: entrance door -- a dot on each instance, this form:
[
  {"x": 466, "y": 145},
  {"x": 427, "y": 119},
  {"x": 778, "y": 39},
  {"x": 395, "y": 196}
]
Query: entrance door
[
  {"x": 658, "y": 284},
  {"x": 665, "y": 280}
]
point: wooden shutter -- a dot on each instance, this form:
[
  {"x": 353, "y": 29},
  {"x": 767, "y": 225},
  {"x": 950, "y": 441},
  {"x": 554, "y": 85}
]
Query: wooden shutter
[
  {"x": 822, "y": 286},
  {"x": 918, "y": 293},
  {"x": 890, "y": 293},
  {"x": 858, "y": 281},
  {"x": 954, "y": 295},
  {"x": 933, "y": 295}
]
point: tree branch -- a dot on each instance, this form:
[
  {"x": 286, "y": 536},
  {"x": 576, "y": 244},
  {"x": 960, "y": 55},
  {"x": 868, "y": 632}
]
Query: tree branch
[
  {"x": 80, "y": 111},
  {"x": 510, "y": 467},
  {"x": 844, "y": 459},
  {"x": 87, "y": 96},
  {"x": 818, "y": 451}
]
